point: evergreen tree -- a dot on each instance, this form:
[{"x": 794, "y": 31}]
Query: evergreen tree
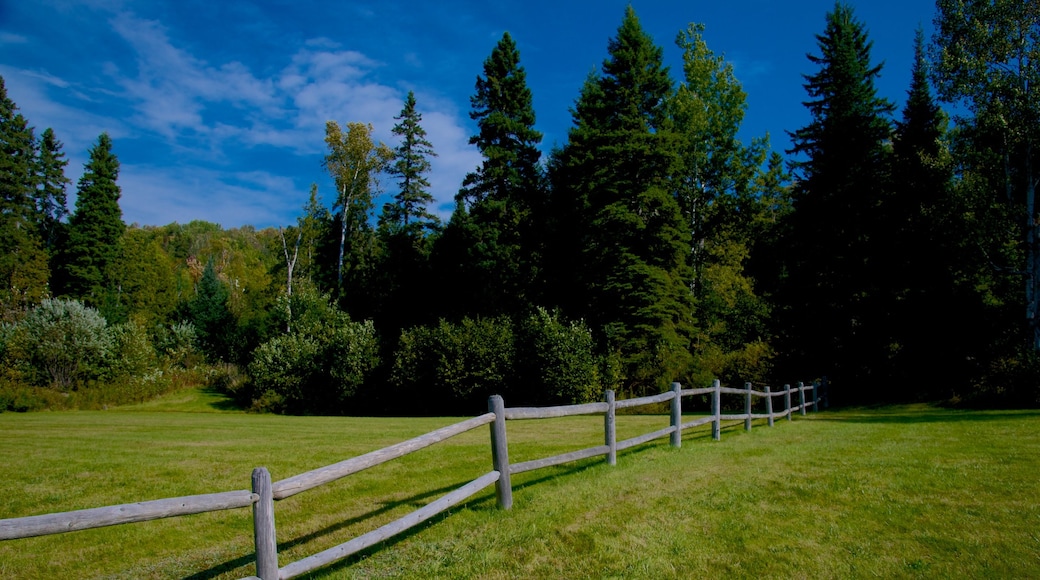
[
  {"x": 51, "y": 201},
  {"x": 836, "y": 323},
  {"x": 408, "y": 212},
  {"x": 95, "y": 230},
  {"x": 403, "y": 277},
  {"x": 215, "y": 325},
  {"x": 504, "y": 197},
  {"x": 625, "y": 233},
  {"x": 23, "y": 262},
  {"x": 924, "y": 231}
]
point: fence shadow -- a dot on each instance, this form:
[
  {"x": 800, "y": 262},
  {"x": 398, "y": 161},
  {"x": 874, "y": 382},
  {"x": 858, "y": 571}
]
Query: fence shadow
[
  {"x": 908, "y": 416},
  {"x": 386, "y": 506}
]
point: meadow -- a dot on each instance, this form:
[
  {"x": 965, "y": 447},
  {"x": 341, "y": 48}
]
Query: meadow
[{"x": 909, "y": 491}]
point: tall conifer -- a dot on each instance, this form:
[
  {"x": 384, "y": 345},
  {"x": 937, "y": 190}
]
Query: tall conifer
[
  {"x": 836, "y": 228},
  {"x": 23, "y": 262},
  {"x": 612, "y": 185},
  {"x": 503, "y": 197},
  {"x": 95, "y": 229}
]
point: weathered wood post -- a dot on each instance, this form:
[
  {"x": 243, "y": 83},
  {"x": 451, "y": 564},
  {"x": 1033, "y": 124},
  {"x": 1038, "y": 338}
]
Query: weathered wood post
[
  {"x": 610, "y": 429},
  {"x": 263, "y": 526},
  {"x": 787, "y": 401},
  {"x": 769, "y": 405},
  {"x": 500, "y": 452},
  {"x": 801, "y": 396},
  {"x": 677, "y": 415},
  {"x": 815, "y": 395},
  {"x": 716, "y": 410},
  {"x": 747, "y": 407}
]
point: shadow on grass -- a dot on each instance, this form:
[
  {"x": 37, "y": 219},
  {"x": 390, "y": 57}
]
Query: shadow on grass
[
  {"x": 223, "y": 403},
  {"x": 920, "y": 414},
  {"x": 483, "y": 501}
]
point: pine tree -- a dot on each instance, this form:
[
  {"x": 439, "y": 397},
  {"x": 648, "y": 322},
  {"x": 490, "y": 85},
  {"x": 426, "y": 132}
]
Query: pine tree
[
  {"x": 924, "y": 244},
  {"x": 23, "y": 262},
  {"x": 408, "y": 212},
  {"x": 625, "y": 234},
  {"x": 95, "y": 229},
  {"x": 835, "y": 325},
  {"x": 504, "y": 197},
  {"x": 214, "y": 323},
  {"x": 51, "y": 201}
]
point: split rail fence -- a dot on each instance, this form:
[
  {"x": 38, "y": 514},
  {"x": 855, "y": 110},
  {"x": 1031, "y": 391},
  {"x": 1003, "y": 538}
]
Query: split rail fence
[{"x": 264, "y": 493}]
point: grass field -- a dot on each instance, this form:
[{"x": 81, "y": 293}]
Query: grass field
[{"x": 892, "y": 492}]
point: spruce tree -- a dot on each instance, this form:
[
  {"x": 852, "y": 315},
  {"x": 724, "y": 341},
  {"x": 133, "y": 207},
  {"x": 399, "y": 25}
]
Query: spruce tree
[
  {"x": 925, "y": 237},
  {"x": 404, "y": 229},
  {"x": 95, "y": 229},
  {"x": 504, "y": 196},
  {"x": 624, "y": 233},
  {"x": 51, "y": 201},
  {"x": 23, "y": 262},
  {"x": 836, "y": 325},
  {"x": 408, "y": 212}
]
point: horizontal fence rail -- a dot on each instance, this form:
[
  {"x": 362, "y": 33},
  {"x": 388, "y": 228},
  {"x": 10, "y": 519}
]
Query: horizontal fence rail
[
  {"x": 264, "y": 493},
  {"x": 311, "y": 479},
  {"x": 129, "y": 513}
]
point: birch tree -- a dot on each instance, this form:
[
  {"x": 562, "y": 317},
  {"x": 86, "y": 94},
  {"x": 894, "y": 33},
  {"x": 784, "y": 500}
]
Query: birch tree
[{"x": 354, "y": 161}]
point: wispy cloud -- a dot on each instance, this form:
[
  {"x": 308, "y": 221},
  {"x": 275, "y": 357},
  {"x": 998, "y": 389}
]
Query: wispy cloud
[
  {"x": 209, "y": 114},
  {"x": 12, "y": 38}
]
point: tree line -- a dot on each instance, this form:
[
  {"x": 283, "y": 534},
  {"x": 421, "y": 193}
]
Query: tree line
[{"x": 888, "y": 252}]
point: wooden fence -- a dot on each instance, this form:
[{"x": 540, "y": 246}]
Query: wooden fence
[{"x": 264, "y": 493}]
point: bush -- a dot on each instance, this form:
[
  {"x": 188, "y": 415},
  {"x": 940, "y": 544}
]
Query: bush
[
  {"x": 177, "y": 344},
  {"x": 319, "y": 366},
  {"x": 63, "y": 342},
  {"x": 454, "y": 367},
  {"x": 132, "y": 354},
  {"x": 556, "y": 362}
]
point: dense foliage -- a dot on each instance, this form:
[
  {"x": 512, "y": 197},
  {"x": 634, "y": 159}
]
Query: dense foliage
[{"x": 653, "y": 245}]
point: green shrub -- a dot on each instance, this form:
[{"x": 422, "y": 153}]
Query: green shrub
[
  {"x": 455, "y": 367},
  {"x": 63, "y": 342},
  {"x": 131, "y": 352},
  {"x": 556, "y": 362},
  {"x": 319, "y": 366},
  {"x": 177, "y": 344}
]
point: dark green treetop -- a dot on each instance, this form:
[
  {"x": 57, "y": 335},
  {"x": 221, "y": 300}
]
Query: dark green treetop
[
  {"x": 411, "y": 163},
  {"x": 95, "y": 228}
]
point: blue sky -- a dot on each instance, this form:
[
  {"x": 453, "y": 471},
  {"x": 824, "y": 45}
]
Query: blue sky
[{"x": 217, "y": 108}]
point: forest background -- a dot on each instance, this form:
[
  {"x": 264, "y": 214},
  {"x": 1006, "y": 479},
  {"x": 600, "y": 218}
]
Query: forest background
[{"x": 894, "y": 251}]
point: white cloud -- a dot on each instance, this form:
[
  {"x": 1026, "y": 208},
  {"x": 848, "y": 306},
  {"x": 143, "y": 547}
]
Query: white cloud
[
  {"x": 205, "y": 117},
  {"x": 161, "y": 195},
  {"x": 12, "y": 38}
]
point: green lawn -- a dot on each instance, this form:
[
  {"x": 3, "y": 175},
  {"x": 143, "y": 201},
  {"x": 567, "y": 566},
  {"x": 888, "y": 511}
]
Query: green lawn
[{"x": 892, "y": 492}]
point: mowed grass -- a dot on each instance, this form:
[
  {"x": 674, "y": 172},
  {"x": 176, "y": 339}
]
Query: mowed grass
[{"x": 891, "y": 492}]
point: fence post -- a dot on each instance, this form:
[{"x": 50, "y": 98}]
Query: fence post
[
  {"x": 747, "y": 407},
  {"x": 716, "y": 425},
  {"x": 815, "y": 395},
  {"x": 500, "y": 453},
  {"x": 610, "y": 429},
  {"x": 769, "y": 405},
  {"x": 801, "y": 396},
  {"x": 677, "y": 415},
  {"x": 263, "y": 526},
  {"x": 787, "y": 401}
]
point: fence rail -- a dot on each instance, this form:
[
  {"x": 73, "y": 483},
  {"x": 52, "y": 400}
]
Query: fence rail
[{"x": 264, "y": 493}]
